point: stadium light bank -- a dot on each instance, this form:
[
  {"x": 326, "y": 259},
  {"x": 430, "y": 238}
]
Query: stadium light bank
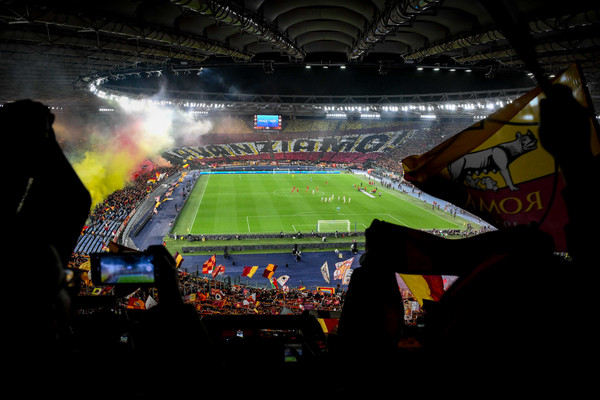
[{"x": 459, "y": 108}]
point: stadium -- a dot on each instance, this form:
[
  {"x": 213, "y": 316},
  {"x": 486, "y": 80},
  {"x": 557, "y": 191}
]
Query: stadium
[{"x": 331, "y": 194}]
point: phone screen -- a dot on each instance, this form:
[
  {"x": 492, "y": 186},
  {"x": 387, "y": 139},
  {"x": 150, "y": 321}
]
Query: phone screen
[{"x": 126, "y": 268}]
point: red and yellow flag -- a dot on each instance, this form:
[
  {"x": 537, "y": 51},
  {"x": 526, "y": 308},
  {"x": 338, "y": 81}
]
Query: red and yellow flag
[
  {"x": 323, "y": 289},
  {"x": 220, "y": 270},
  {"x": 136, "y": 304},
  {"x": 209, "y": 264},
  {"x": 249, "y": 271},
  {"x": 269, "y": 271},
  {"x": 424, "y": 287},
  {"x": 497, "y": 168},
  {"x": 178, "y": 259}
]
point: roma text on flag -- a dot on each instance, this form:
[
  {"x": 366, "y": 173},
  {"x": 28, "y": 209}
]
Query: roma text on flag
[
  {"x": 269, "y": 271},
  {"x": 209, "y": 264},
  {"x": 497, "y": 168},
  {"x": 249, "y": 271}
]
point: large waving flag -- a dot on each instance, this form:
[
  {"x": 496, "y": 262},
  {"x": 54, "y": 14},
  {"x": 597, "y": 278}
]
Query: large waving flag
[
  {"x": 249, "y": 271},
  {"x": 282, "y": 280},
  {"x": 325, "y": 272},
  {"x": 497, "y": 169},
  {"x": 219, "y": 270},
  {"x": 424, "y": 287},
  {"x": 269, "y": 271},
  {"x": 178, "y": 259},
  {"x": 209, "y": 264},
  {"x": 341, "y": 268}
]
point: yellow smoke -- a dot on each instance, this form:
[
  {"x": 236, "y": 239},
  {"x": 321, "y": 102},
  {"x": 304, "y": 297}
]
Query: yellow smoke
[
  {"x": 108, "y": 153},
  {"x": 104, "y": 173}
]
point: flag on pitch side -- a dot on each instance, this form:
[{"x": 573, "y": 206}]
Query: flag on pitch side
[
  {"x": 325, "y": 272},
  {"x": 178, "y": 259},
  {"x": 341, "y": 268},
  {"x": 424, "y": 287},
  {"x": 497, "y": 169},
  {"x": 209, "y": 264},
  {"x": 249, "y": 271},
  {"x": 269, "y": 271}
]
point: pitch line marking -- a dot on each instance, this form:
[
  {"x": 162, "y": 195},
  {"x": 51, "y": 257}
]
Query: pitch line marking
[
  {"x": 199, "y": 204},
  {"x": 391, "y": 216}
]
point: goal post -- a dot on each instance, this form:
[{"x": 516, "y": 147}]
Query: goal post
[{"x": 332, "y": 225}]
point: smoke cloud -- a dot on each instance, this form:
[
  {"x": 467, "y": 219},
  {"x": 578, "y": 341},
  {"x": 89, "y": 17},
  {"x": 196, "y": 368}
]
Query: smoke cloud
[{"x": 106, "y": 149}]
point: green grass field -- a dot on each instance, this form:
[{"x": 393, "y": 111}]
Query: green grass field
[{"x": 266, "y": 203}]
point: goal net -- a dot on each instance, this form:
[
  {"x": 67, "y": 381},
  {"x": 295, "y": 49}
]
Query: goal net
[{"x": 332, "y": 225}]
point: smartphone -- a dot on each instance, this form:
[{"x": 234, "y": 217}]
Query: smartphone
[
  {"x": 292, "y": 352},
  {"x": 122, "y": 268}
]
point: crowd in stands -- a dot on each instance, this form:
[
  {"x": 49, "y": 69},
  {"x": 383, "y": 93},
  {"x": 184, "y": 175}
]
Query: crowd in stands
[
  {"x": 105, "y": 218},
  {"x": 472, "y": 337},
  {"x": 211, "y": 297},
  {"x": 309, "y": 141}
]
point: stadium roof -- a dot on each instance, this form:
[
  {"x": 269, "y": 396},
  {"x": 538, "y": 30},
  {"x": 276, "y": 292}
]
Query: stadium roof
[{"x": 210, "y": 50}]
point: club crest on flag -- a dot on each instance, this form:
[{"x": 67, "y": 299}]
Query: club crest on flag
[{"x": 497, "y": 168}]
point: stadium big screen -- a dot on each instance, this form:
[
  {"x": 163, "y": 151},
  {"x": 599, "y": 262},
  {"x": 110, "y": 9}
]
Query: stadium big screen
[{"x": 267, "y": 122}]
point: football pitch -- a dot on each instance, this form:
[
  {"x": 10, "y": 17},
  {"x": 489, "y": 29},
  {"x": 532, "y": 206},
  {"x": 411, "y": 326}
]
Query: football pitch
[{"x": 273, "y": 203}]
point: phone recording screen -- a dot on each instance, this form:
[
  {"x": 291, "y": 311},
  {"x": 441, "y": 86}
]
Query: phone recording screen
[{"x": 130, "y": 268}]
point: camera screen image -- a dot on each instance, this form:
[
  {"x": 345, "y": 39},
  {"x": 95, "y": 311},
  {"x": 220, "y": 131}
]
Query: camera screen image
[
  {"x": 115, "y": 269},
  {"x": 292, "y": 352}
]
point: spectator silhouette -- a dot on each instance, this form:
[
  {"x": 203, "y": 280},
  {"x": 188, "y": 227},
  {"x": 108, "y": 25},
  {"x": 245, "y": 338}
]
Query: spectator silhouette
[
  {"x": 49, "y": 203},
  {"x": 504, "y": 317}
]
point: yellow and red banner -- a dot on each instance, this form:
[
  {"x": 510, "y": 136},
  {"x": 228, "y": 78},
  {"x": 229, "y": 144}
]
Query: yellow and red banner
[
  {"x": 269, "y": 271},
  {"x": 136, "y": 304},
  {"x": 323, "y": 289},
  {"x": 178, "y": 259},
  {"x": 424, "y": 287},
  {"x": 497, "y": 168},
  {"x": 249, "y": 271}
]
